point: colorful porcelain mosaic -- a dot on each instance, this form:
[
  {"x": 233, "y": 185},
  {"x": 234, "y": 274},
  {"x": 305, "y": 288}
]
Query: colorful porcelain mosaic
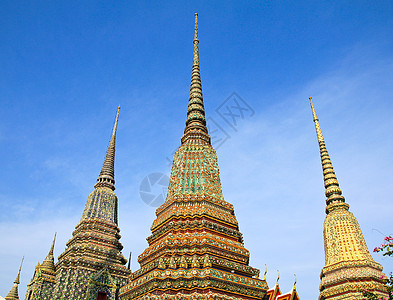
[
  {"x": 101, "y": 204},
  {"x": 195, "y": 250},
  {"x": 44, "y": 279},
  {"x": 92, "y": 261}
]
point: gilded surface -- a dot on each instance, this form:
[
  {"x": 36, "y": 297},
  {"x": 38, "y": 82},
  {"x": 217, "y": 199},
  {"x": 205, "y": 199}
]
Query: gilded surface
[{"x": 349, "y": 268}]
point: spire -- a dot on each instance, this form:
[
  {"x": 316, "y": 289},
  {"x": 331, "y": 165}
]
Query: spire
[
  {"x": 129, "y": 262},
  {"x": 107, "y": 174},
  {"x": 349, "y": 267},
  {"x": 53, "y": 245},
  {"x": 333, "y": 191},
  {"x": 17, "y": 280},
  {"x": 13, "y": 294},
  {"x": 49, "y": 262},
  {"x": 196, "y": 123}
]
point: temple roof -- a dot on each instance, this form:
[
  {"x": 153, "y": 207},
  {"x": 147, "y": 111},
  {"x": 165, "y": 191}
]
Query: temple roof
[
  {"x": 291, "y": 295},
  {"x": 273, "y": 292}
]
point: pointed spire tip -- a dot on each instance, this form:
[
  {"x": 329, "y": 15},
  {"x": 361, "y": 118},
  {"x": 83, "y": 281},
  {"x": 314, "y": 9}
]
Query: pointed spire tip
[
  {"x": 196, "y": 130},
  {"x": 107, "y": 174},
  {"x": 332, "y": 189},
  {"x": 53, "y": 244},
  {"x": 17, "y": 280},
  {"x": 129, "y": 262},
  {"x": 196, "y": 29}
]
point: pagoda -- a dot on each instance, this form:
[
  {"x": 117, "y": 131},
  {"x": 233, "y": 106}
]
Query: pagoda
[
  {"x": 14, "y": 294},
  {"x": 92, "y": 266},
  {"x": 44, "y": 278},
  {"x": 349, "y": 268},
  {"x": 196, "y": 250}
]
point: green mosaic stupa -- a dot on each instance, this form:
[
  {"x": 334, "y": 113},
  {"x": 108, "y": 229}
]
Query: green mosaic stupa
[
  {"x": 92, "y": 266},
  {"x": 196, "y": 250}
]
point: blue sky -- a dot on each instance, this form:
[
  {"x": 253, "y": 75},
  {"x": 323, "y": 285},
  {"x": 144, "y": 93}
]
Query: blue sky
[{"x": 66, "y": 66}]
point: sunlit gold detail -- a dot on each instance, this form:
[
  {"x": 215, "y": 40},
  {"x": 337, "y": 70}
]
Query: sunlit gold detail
[{"x": 349, "y": 268}]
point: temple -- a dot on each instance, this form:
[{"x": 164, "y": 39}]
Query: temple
[
  {"x": 349, "y": 268},
  {"x": 195, "y": 249}
]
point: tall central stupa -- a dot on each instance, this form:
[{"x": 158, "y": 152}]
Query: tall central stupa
[{"x": 195, "y": 250}]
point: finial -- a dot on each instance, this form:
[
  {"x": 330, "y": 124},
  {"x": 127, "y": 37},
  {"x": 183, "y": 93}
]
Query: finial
[
  {"x": 116, "y": 121},
  {"x": 315, "y": 117},
  {"x": 107, "y": 174},
  {"x": 196, "y": 28},
  {"x": 196, "y": 130},
  {"x": 333, "y": 191},
  {"x": 17, "y": 280},
  {"x": 49, "y": 262},
  {"x": 264, "y": 275},
  {"x": 129, "y": 262},
  {"x": 53, "y": 244},
  {"x": 294, "y": 284},
  {"x": 278, "y": 276}
]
